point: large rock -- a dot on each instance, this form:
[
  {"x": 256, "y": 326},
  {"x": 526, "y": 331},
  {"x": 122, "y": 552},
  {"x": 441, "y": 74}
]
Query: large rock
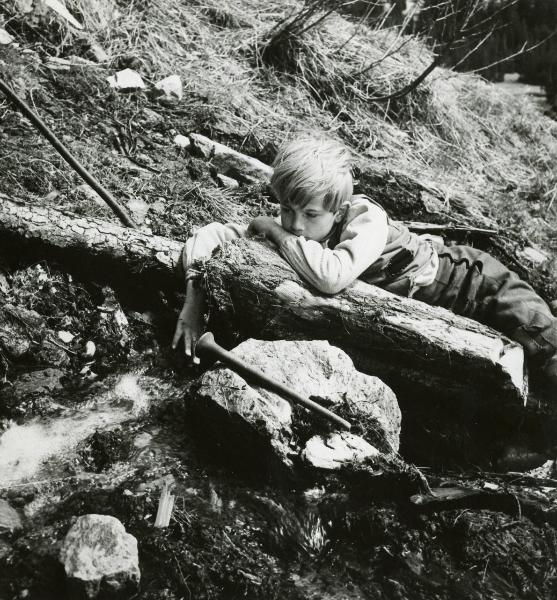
[
  {"x": 242, "y": 413},
  {"x": 99, "y": 557},
  {"x": 253, "y": 420}
]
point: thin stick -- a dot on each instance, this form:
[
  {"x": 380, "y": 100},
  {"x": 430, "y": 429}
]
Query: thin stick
[
  {"x": 64, "y": 153},
  {"x": 207, "y": 346}
]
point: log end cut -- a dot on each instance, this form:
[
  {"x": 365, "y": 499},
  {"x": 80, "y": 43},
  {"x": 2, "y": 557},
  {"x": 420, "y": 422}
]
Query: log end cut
[{"x": 511, "y": 361}]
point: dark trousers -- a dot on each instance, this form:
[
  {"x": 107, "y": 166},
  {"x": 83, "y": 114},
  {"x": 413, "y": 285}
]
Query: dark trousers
[{"x": 476, "y": 285}]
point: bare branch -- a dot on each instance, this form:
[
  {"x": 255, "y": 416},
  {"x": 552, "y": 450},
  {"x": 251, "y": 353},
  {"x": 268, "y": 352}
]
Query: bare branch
[
  {"x": 475, "y": 48},
  {"x": 411, "y": 86},
  {"x": 523, "y": 50}
]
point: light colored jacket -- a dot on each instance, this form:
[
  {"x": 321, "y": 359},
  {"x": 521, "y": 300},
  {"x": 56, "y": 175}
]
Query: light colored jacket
[{"x": 366, "y": 244}]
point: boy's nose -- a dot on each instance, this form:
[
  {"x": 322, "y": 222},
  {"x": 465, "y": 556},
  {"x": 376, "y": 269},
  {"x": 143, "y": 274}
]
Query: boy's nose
[{"x": 297, "y": 226}]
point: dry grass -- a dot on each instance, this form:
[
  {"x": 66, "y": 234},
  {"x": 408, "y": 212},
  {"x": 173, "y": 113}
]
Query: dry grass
[{"x": 456, "y": 130}]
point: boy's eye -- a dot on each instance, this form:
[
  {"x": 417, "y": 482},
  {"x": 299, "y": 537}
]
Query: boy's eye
[{"x": 311, "y": 215}]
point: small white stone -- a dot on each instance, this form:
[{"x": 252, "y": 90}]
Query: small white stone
[
  {"x": 128, "y": 79},
  {"x": 490, "y": 486},
  {"x": 5, "y": 37},
  {"x": 97, "y": 550},
  {"x": 66, "y": 336},
  {"x": 170, "y": 86},
  {"x": 182, "y": 141},
  {"x": 90, "y": 349},
  {"x": 138, "y": 208}
]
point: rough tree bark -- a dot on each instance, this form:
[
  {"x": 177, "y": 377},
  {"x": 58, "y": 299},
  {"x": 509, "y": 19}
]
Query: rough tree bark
[
  {"x": 106, "y": 249},
  {"x": 254, "y": 292}
]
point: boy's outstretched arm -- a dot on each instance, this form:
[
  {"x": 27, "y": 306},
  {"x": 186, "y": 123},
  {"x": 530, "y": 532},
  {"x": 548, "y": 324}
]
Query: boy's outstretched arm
[
  {"x": 190, "y": 323},
  {"x": 200, "y": 245}
]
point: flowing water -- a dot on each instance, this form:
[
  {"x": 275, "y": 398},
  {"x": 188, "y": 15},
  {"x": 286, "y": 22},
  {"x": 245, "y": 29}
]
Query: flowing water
[{"x": 27, "y": 449}]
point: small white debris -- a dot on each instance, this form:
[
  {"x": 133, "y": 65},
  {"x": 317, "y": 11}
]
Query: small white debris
[
  {"x": 58, "y": 64},
  {"x": 79, "y": 61},
  {"x": 182, "y": 141},
  {"x": 170, "y": 86},
  {"x": 227, "y": 182},
  {"x": 5, "y": 37},
  {"x": 66, "y": 336},
  {"x": 164, "y": 511},
  {"x": 126, "y": 80},
  {"x": 90, "y": 349},
  {"x": 138, "y": 208},
  {"x": 4, "y": 284},
  {"x": 98, "y": 53},
  {"x": 490, "y": 486}
]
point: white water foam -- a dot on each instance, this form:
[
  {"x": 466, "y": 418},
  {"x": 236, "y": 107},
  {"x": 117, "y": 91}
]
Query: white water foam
[{"x": 24, "y": 449}]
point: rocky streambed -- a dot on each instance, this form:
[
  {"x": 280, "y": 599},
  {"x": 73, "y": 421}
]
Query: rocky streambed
[{"x": 268, "y": 502}]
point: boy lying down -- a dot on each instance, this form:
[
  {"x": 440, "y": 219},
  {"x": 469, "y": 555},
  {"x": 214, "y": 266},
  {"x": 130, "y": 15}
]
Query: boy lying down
[{"x": 331, "y": 237}]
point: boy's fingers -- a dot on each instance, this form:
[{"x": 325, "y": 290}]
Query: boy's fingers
[
  {"x": 193, "y": 345},
  {"x": 187, "y": 343},
  {"x": 177, "y": 336}
]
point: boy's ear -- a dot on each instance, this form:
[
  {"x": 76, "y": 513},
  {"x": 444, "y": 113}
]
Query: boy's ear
[{"x": 341, "y": 212}]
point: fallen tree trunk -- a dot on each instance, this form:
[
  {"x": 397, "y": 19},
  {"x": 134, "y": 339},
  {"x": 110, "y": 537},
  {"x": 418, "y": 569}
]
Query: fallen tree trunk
[
  {"x": 105, "y": 249},
  {"x": 255, "y": 292},
  {"x": 390, "y": 336}
]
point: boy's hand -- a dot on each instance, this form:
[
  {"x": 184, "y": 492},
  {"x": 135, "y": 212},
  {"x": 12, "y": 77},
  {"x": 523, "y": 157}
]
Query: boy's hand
[
  {"x": 261, "y": 226},
  {"x": 268, "y": 227},
  {"x": 190, "y": 323}
]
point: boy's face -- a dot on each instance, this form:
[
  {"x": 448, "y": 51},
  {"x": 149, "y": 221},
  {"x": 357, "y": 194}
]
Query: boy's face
[{"x": 312, "y": 221}]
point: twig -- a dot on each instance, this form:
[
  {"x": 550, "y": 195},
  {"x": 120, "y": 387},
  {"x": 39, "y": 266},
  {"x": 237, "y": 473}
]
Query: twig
[
  {"x": 523, "y": 50},
  {"x": 417, "y": 227},
  {"x": 63, "y": 151}
]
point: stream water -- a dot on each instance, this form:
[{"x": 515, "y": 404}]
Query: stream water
[{"x": 27, "y": 449}]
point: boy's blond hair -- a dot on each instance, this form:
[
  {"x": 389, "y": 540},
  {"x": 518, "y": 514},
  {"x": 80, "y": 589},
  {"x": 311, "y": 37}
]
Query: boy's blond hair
[{"x": 311, "y": 167}]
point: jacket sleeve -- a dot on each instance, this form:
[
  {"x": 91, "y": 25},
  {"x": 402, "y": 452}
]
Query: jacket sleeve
[
  {"x": 201, "y": 244},
  {"x": 362, "y": 241}
]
